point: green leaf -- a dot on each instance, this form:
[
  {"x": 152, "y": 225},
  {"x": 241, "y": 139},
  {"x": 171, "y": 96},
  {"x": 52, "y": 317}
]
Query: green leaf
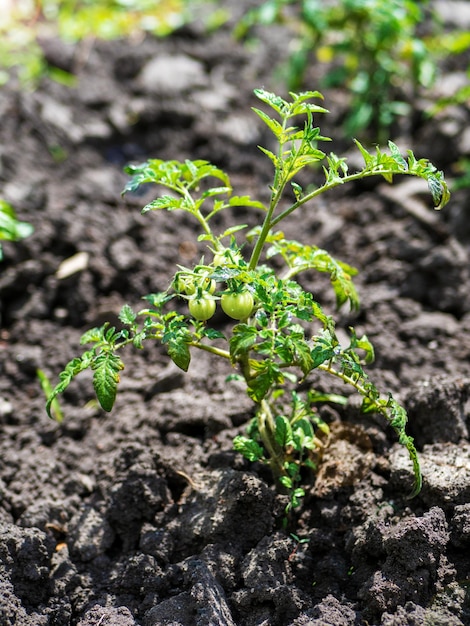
[
  {"x": 286, "y": 482},
  {"x": 11, "y": 229},
  {"x": 243, "y": 338},
  {"x": 267, "y": 376},
  {"x": 106, "y": 367},
  {"x": 440, "y": 194},
  {"x": 323, "y": 350},
  {"x": 303, "y": 357},
  {"x": 179, "y": 353},
  {"x": 127, "y": 315},
  {"x": 72, "y": 369},
  {"x": 216, "y": 191},
  {"x": 271, "y": 99},
  {"x": 250, "y": 449},
  {"x": 211, "y": 333},
  {"x": 282, "y": 431},
  {"x": 93, "y": 335},
  {"x": 396, "y": 155},
  {"x": 55, "y": 408},
  {"x": 368, "y": 158},
  {"x": 362, "y": 343},
  {"x": 300, "y": 257},
  {"x": 272, "y": 124},
  {"x": 303, "y": 435},
  {"x": 157, "y": 300},
  {"x": 165, "y": 202}
]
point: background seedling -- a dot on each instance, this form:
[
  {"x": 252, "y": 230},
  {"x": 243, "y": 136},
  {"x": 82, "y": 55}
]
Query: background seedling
[
  {"x": 12, "y": 229},
  {"x": 372, "y": 48}
]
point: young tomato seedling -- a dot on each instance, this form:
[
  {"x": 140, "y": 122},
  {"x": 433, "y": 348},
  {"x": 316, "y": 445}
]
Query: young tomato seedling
[{"x": 270, "y": 342}]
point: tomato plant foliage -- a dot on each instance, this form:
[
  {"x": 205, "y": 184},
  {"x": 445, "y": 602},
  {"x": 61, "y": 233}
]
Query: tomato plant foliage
[{"x": 277, "y": 333}]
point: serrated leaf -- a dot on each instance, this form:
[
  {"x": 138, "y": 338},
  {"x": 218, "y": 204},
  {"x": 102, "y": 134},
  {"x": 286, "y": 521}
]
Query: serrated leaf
[
  {"x": 271, "y": 99},
  {"x": 396, "y": 155},
  {"x": 363, "y": 343},
  {"x": 127, "y": 315},
  {"x": 106, "y": 367},
  {"x": 211, "y": 333},
  {"x": 216, "y": 191},
  {"x": 179, "y": 353},
  {"x": 270, "y": 155},
  {"x": 164, "y": 202},
  {"x": 93, "y": 335},
  {"x": 368, "y": 158},
  {"x": 304, "y": 96},
  {"x": 267, "y": 376},
  {"x": 243, "y": 338},
  {"x": 437, "y": 191},
  {"x": 303, "y": 435},
  {"x": 321, "y": 352},
  {"x": 72, "y": 369},
  {"x": 282, "y": 431},
  {"x": 303, "y": 357}
]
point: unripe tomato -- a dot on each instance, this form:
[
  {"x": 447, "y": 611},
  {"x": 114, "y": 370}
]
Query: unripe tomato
[
  {"x": 237, "y": 305},
  {"x": 202, "y": 308},
  {"x": 219, "y": 259}
]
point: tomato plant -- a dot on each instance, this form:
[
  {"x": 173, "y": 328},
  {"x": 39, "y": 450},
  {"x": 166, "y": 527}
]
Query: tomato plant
[{"x": 270, "y": 341}]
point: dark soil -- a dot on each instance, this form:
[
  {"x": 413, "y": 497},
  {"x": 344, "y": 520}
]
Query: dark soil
[{"x": 146, "y": 516}]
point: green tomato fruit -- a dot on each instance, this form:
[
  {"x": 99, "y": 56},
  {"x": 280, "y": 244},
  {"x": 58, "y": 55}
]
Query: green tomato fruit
[
  {"x": 202, "y": 309},
  {"x": 237, "y": 305},
  {"x": 219, "y": 259}
]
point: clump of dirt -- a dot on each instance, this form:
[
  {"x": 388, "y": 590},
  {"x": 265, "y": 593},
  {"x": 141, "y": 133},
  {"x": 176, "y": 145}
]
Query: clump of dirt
[{"x": 147, "y": 516}]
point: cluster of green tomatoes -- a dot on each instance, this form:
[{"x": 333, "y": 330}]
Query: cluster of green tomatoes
[{"x": 199, "y": 289}]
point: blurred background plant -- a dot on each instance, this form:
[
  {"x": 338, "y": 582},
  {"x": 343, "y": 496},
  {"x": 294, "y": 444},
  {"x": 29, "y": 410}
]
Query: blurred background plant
[
  {"x": 24, "y": 22},
  {"x": 11, "y": 229},
  {"x": 453, "y": 50},
  {"x": 383, "y": 53}
]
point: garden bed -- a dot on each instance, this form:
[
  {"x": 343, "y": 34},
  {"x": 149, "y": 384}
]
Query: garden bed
[{"x": 146, "y": 516}]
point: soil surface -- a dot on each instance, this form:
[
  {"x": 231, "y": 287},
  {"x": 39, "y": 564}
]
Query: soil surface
[{"x": 146, "y": 516}]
